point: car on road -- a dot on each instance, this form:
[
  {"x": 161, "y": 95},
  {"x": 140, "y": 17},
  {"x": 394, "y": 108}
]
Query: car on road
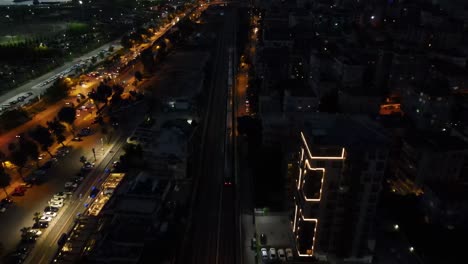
[
  {"x": 62, "y": 151},
  {"x": 71, "y": 184},
  {"x": 50, "y": 214},
  {"x": 6, "y": 201},
  {"x": 84, "y": 132},
  {"x": 46, "y": 218},
  {"x": 41, "y": 224},
  {"x": 263, "y": 239},
  {"x": 264, "y": 253},
  {"x": 63, "y": 238},
  {"x": 51, "y": 209},
  {"x": 272, "y": 253},
  {"x": 25, "y": 185},
  {"x": 281, "y": 254},
  {"x": 289, "y": 254},
  {"x": 18, "y": 191},
  {"x": 60, "y": 195},
  {"x": 77, "y": 139},
  {"x": 227, "y": 181}
]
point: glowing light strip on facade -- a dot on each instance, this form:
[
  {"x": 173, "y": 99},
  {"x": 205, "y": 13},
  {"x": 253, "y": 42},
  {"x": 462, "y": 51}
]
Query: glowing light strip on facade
[
  {"x": 306, "y": 165},
  {"x": 313, "y": 239},
  {"x": 295, "y": 217}
]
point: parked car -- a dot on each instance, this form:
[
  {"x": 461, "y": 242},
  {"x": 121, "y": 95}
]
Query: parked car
[
  {"x": 50, "y": 214},
  {"x": 56, "y": 204},
  {"x": 60, "y": 195},
  {"x": 56, "y": 200},
  {"x": 289, "y": 254},
  {"x": 45, "y": 218},
  {"x": 264, "y": 253},
  {"x": 51, "y": 209},
  {"x": 41, "y": 224},
  {"x": 71, "y": 184},
  {"x": 273, "y": 253},
  {"x": 281, "y": 254},
  {"x": 263, "y": 239},
  {"x": 88, "y": 165}
]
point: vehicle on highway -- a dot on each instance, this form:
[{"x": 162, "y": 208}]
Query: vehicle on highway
[
  {"x": 4, "y": 204},
  {"x": 227, "y": 181},
  {"x": 45, "y": 218},
  {"x": 41, "y": 224},
  {"x": 289, "y": 254},
  {"x": 281, "y": 254},
  {"x": 49, "y": 214},
  {"x": 264, "y": 253},
  {"x": 18, "y": 191},
  {"x": 272, "y": 253},
  {"x": 51, "y": 209},
  {"x": 6, "y": 201},
  {"x": 62, "y": 151},
  {"x": 60, "y": 195},
  {"x": 84, "y": 132}
]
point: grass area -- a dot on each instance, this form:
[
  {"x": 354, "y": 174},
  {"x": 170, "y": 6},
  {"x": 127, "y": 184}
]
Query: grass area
[{"x": 77, "y": 28}]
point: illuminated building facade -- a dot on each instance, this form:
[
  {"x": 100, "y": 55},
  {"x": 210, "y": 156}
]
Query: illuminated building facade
[{"x": 340, "y": 166}]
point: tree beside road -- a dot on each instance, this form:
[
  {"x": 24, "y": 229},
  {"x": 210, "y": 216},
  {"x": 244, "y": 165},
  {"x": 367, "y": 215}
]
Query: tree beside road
[{"x": 42, "y": 136}]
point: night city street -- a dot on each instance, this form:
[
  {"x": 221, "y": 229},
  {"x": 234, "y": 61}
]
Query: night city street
[{"x": 233, "y": 132}]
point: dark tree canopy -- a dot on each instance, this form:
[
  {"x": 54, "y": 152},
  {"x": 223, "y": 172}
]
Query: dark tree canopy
[
  {"x": 67, "y": 115},
  {"x": 42, "y": 136}
]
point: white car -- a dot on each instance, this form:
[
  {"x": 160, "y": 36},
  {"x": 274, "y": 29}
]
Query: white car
[
  {"x": 35, "y": 232},
  {"x": 264, "y": 253},
  {"x": 71, "y": 184},
  {"x": 281, "y": 254},
  {"x": 56, "y": 200},
  {"x": 56, "y": 204},
  {"x": 60, "y": 195},
  {"x": 273, "y": 253},
  {"x": 46, "y": 218},
  {"x": 289, "y": 254},
  {"x": 50, "y": 214}
]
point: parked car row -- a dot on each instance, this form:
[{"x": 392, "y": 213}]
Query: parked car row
[{"x": 274, "y": 255}]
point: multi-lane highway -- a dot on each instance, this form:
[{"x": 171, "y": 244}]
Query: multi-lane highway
[{"x": 211, "y": 234}]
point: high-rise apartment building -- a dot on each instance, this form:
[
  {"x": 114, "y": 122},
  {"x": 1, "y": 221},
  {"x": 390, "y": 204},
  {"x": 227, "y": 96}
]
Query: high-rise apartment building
[{"x": 340, "y": 167}]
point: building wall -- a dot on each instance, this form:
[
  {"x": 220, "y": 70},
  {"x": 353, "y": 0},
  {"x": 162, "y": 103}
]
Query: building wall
[{"x": 338, "y": 216}]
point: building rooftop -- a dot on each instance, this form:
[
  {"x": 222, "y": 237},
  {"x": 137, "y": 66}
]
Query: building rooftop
[{"x": 343, "y": 131}]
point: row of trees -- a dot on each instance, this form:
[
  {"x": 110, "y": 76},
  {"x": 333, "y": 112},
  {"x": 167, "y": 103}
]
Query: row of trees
[{"x": 41, "y": 138}]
